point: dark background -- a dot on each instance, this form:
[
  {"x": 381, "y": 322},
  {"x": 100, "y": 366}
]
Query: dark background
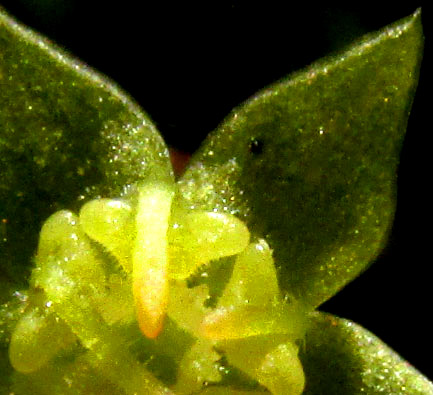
[{"x": 188, "y": 65}]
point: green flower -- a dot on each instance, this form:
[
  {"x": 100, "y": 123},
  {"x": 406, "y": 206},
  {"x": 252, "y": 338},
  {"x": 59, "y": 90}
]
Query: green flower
[{"x": 207, "y": 284}]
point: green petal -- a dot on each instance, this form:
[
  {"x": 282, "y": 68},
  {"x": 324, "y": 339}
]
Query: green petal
[
  {"x": 67, "y": 135},
  {"x": 343, "y": 358},
  {"x": 310, "y": 163}
]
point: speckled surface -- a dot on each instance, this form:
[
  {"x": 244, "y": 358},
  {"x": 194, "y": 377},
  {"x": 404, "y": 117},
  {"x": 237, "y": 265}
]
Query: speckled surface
[
  {"x": 67, "y": 135},
  {"x": 310, "y": 163},
  {"x": 341, "y": 357}
]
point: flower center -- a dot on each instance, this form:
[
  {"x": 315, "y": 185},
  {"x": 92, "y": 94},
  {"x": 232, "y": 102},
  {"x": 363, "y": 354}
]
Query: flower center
[{"x": 123, "y": 262}]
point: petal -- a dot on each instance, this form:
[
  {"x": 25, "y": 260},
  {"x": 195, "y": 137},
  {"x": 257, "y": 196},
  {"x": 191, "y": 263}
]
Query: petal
[
  {"x": 272, "y": 362},
  {"x": 71, "y": 275},
  {"x": 341, "y": 357},
  {"x": 111, "y": 223},
  {"x": 37, "y": 338},
  {"x": 238, "y": 322},
  {"x": 196, "y": 238},
  {"x": 67, "y": 135},
  {"x": 198, "y": 366},
  {"x": 253, "y": 268},
  {"x": 310, "y": 163}
]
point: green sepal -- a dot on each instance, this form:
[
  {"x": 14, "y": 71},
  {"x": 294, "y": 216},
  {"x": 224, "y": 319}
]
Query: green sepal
[
  {"x": 341, "y": 357},
  {"x": 67, "y": 134},
  {"x": 310, "y": 162}
]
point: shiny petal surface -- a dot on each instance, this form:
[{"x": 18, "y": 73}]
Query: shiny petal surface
[
  {"x": 310, "y": 163},
  {"x": 67, "y": 135},
  {"x": 341, "y": 357}
]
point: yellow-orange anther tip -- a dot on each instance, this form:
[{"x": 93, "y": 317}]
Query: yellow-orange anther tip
[
  {"x": 150, "y": 322},
  {"x": 151, "y": 307},
  {"x": 150, "y": 327}
]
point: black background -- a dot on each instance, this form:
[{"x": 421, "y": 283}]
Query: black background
[{"x": 188, "y": 65}]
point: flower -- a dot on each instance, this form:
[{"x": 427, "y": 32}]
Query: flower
[{"x": 108, "y": 308}]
